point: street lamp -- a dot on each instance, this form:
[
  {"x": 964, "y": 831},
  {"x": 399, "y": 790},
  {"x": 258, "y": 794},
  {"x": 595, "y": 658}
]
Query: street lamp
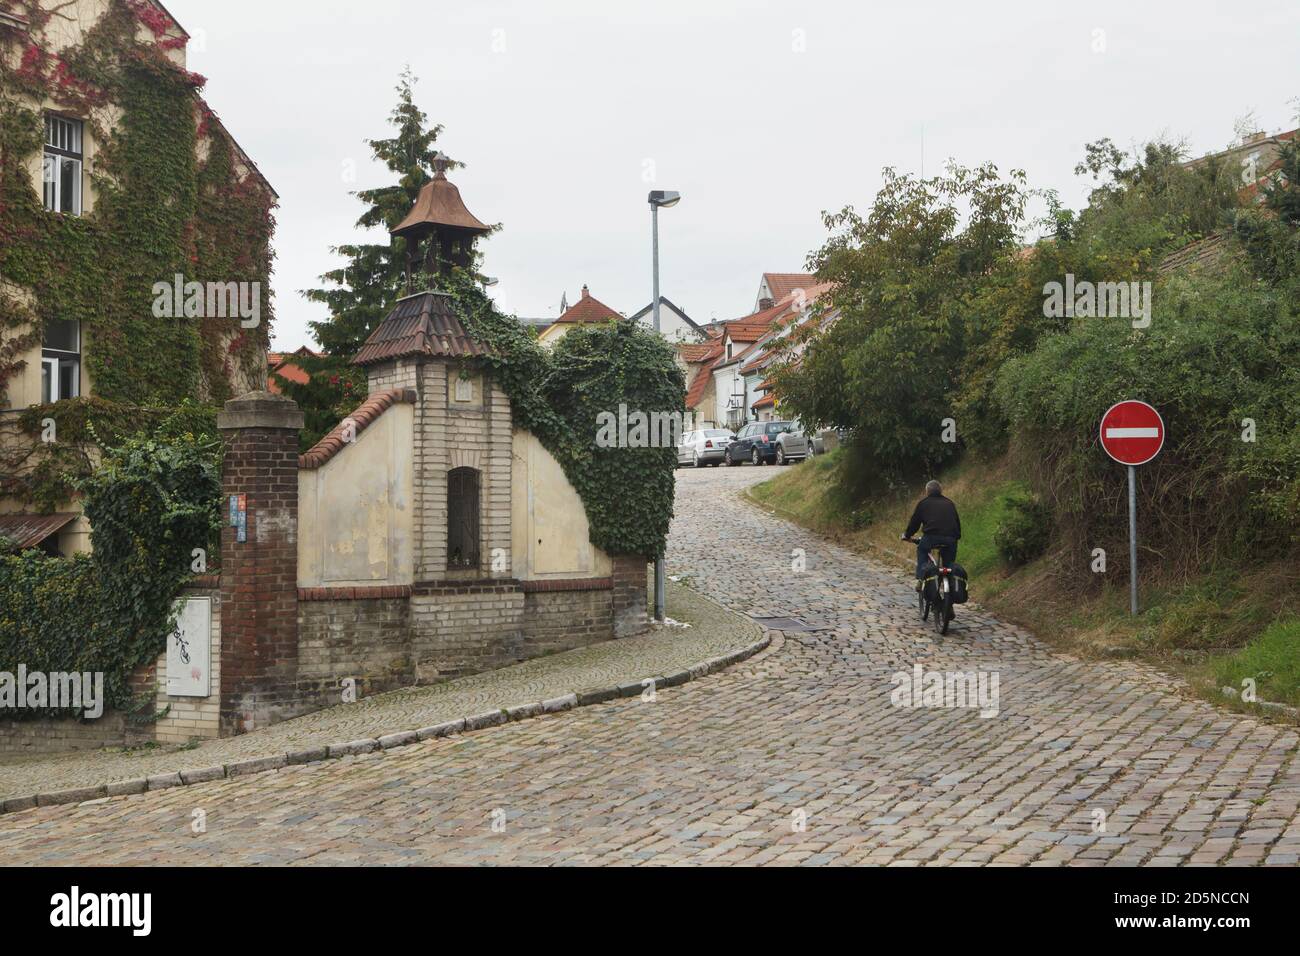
[{"x": 665, "y": 199}]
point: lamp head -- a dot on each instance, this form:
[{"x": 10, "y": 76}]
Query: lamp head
[{"x": 664, "y": 199}]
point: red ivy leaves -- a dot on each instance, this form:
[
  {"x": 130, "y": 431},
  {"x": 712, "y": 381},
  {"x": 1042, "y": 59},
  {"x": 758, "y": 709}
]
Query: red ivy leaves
[
  {"x": 152, "y": 17},
  {"x": 35, "y": 69},
  {"x": 33, "y": 65},
  {"x": 158, "y": 23}
]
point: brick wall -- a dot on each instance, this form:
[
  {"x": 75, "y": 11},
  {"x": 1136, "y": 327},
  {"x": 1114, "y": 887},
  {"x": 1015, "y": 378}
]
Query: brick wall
[
  {"x": 366, "y": 640},
  {"x": 630, "y": 596},
  {"x": 563, "y": 620},
  {"x": 57, "y": 735},
  {"x": 259, "y": 576},
  {"x": 465, "y": 627}
]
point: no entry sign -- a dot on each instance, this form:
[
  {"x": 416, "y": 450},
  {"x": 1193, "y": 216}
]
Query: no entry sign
[{"x": 1132, "y": 432}]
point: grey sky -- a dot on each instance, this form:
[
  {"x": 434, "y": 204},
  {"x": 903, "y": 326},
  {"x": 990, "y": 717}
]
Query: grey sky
[{"x": 558, "y": 107}]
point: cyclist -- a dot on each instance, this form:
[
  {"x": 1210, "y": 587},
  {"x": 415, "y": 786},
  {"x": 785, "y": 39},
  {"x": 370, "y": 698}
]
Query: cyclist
[{"x": 937, "y": 516}]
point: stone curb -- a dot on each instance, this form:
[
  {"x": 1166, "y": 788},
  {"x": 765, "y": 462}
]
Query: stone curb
[{"x": 404, "y": 738}]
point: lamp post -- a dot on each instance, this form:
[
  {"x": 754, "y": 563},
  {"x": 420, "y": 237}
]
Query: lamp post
[{"x": 666, "y": 199}]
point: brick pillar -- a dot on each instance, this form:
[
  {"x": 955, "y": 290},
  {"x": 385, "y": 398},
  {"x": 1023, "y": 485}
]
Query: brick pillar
[
  {"x": 259, "y": 576},
  {"x": 630, "y": 595}
]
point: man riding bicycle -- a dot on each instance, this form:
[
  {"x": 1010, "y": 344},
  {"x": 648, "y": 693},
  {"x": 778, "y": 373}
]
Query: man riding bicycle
[{"x": 942, "y": 528}]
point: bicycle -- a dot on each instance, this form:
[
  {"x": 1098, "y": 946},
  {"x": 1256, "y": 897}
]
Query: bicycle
[{"x": 943, "y": 607}]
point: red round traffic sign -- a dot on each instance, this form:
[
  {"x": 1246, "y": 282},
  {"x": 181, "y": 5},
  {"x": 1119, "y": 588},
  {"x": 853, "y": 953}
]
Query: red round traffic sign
[{"x": 1132, "y": 432}]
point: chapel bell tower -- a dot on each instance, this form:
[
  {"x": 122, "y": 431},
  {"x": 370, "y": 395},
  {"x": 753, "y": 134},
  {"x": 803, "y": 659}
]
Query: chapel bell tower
[{"x": 439, "y": 230}]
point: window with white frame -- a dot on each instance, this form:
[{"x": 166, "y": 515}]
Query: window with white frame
[
  {"x": 61, "y": 360},
  {"x": 62, "y": 164}
]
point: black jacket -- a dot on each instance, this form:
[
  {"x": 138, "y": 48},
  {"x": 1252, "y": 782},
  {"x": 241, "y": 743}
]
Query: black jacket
[{"x": 937, "y": 515}]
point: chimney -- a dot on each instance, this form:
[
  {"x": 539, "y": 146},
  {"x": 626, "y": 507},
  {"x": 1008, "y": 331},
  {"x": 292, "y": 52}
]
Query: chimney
[
  {"x": 586, "y": 293},
  {"x": 764, "y": 304},
  {"x": 1256, "y": 138}
]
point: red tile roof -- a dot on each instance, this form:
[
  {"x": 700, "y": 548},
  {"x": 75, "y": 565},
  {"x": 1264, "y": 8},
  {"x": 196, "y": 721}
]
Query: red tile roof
[
  {"x": 744, "y": 332},
  {"x": 367, "y": 412},
  {"x": 588, "y": 309},
  {"x": 782, "y": 284},
  {"x": 695, "y": 352},
  {"x": 420, "y": 324},
  {"x": 767, "y": 401},
  {"x": 699, "y": 385},
  {"x": 281, "y": 364}
]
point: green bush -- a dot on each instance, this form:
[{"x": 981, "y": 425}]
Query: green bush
[
  {"x": 151, "y": 503},
  {"x": 1025, "y": 529},
  {"x": 1219, "y": 351}
]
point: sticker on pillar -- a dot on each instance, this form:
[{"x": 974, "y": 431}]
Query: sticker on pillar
[
  {"x": 239, "y": 516},
  {"x": 189, "y": 649}
]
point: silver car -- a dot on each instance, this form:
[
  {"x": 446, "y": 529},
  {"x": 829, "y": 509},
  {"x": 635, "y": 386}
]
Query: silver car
[
  {"x": 707, "y": 446},
  {"x": 791, "y": 444}
]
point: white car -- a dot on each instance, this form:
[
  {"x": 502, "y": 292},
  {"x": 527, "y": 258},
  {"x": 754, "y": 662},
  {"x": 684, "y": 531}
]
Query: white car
[{"x": 707, "y": 446}]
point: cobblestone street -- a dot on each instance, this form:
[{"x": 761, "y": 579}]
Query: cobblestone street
[{"x": 794, "y": 756}]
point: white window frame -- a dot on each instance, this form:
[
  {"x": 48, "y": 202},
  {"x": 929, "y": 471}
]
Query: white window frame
[
  {"x": 63, "y": 146},
  {"x": 50, "y": 374},
  {"x": 51, "y": 360}
]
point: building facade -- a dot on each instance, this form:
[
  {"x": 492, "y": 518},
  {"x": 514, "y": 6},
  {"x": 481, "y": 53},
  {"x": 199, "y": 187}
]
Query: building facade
[{"x": 118, "y": 207}]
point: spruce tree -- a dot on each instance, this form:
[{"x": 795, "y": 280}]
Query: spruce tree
[{"x": 360, "y": 292}]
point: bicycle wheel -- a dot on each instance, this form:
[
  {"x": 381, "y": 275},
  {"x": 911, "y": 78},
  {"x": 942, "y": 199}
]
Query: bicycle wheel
[{"x": 942, "y": 608}]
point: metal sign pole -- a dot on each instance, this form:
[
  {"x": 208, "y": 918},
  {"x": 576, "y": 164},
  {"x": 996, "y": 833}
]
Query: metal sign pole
[
  {"x": 660, "y": 596},
  {"x": 1133, "y": 539}
]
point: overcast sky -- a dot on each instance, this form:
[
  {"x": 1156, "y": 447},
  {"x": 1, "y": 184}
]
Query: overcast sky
[{"x": 762, "y": 114}]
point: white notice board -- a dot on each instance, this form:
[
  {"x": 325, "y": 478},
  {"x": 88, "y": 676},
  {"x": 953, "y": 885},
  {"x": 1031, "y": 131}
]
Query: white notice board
[{"x": 189, "y": 649}]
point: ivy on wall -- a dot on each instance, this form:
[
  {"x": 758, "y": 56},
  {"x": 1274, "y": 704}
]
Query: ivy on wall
[
  {"x": 46, "y": 474},
  {"x": 169, "y": 200}
]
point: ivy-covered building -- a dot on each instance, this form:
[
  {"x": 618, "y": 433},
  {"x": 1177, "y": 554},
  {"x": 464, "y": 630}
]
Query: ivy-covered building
[{"x": 135, "y": 247}]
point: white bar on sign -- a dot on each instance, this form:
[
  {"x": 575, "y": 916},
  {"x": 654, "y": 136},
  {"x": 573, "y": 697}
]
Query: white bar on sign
[{"x": 1132, "y": 433}]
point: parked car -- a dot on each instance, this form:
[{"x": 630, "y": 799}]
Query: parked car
[
  {"x": 763, "y": 443},
  {"x": 704, "y": 447}
]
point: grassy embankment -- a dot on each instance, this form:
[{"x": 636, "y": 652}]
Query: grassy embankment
[{"x": 1214, "y": 631}]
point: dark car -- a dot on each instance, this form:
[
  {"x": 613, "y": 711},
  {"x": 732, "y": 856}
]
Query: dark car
[{"x": 763, "y": 443}]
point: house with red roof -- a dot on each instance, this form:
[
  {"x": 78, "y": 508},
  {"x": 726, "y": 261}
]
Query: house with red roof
[
  {"x": 775, "y": 287},
  {"x": 588, "y": 310},
  {"x": 281, "y": 366}
]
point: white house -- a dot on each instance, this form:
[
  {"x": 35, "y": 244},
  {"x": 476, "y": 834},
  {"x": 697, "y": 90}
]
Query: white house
[{"x": 674, "y": 324}]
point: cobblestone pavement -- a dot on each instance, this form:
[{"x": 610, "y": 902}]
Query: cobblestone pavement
[
  {"x": 608, "y": 664},
  {"x": 795, "y": 756}
]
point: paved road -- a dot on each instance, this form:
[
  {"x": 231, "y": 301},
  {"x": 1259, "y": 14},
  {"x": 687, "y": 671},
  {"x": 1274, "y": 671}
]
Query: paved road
[{"x": 797, "y": 756}]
